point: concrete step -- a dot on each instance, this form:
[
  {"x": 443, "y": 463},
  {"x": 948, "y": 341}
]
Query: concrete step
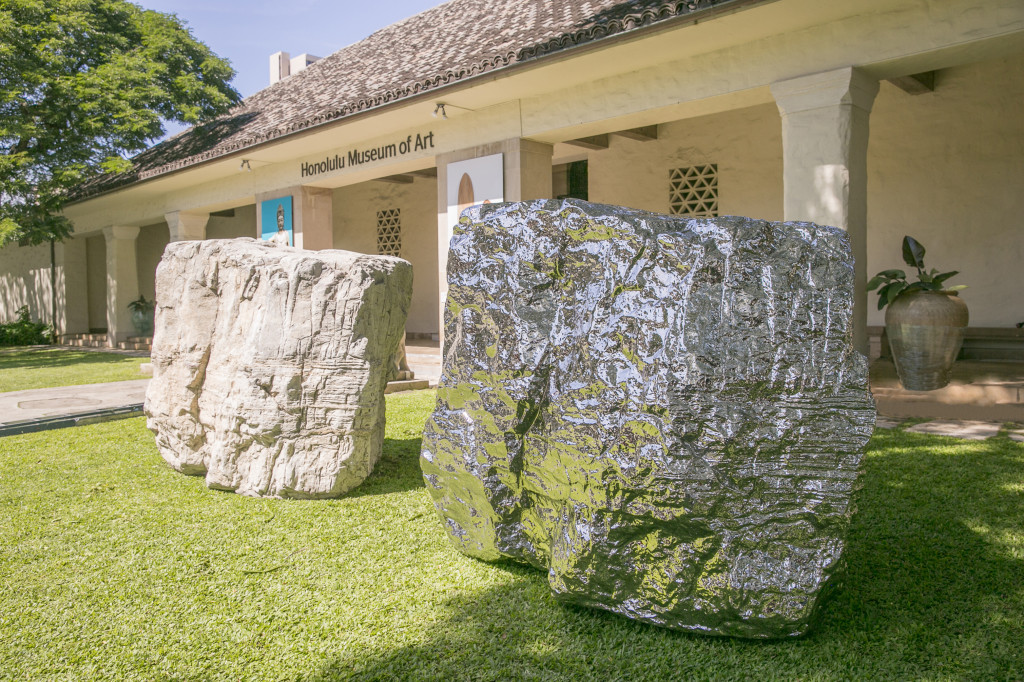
[
  {"x": 85, "y": 343},
  {"x": 132, "y": 345},
  {"x": 407, "y": 385},
  {"x": 83, "y": 339}
]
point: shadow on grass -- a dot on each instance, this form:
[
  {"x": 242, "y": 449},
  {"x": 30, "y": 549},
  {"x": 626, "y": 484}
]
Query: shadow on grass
[
  {"x": 48, "y": 358},
  {"x": 935, "y": 587},
  {"x": 397, "y": 471}
]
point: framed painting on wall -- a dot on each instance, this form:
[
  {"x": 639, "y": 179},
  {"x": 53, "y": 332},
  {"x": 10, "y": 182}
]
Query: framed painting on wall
[{"x": 276, "y": 221}]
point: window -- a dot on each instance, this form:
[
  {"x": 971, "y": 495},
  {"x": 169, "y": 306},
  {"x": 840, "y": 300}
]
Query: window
[
  {"x": 389, "y": 232},
  {"x": 693, "y": 191}
]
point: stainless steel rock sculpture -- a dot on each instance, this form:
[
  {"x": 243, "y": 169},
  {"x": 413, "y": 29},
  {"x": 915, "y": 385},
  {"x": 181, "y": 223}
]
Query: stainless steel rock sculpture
[
  {"x": 270, "y": 364},
  {"x": 665, "y": 414}
]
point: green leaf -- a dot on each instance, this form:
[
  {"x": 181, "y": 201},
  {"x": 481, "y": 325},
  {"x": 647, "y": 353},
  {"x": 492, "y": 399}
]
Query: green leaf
[
  {"x": 939, "y": 279},
  {"x": 886, "y": 276},
  {"x": 889, "y": 292},
  {"x": 913, "y": 252},
  {"x": 895, "y": 290}
]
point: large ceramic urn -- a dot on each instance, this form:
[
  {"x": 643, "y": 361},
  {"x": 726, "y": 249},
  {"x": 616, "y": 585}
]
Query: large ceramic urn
[{"x": 926, "y": 330}]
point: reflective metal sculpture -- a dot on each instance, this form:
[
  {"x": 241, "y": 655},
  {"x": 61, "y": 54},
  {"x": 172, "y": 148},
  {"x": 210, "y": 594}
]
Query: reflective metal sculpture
[{"x": 665, "y": 414}]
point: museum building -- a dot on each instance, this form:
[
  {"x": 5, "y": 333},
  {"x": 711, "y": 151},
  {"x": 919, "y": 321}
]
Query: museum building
[{"x": 882, "y": 117}]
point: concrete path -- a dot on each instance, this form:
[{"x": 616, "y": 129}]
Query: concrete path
[{"x": 47, "y": 408}]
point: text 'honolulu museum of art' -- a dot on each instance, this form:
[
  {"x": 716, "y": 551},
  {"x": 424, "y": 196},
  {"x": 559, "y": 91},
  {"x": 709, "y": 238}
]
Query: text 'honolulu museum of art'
[
  {"x": 666, "y": 414},
  {"x": 270, "y": 364}
]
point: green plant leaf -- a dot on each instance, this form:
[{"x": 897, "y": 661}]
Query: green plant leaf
[
  {"x": 884, "y": 293},
  {"x": 939, "y": 279},
  {"x": 958, "y": 287},
  {"x": 913, "y": 252},
  {"x": 886, "y": 276},
  {"x": 895, "y": 290}
]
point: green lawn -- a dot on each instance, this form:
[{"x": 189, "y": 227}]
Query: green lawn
[
  {"x": 116, "y": 567},
  {"x": 22, "y": 369}
]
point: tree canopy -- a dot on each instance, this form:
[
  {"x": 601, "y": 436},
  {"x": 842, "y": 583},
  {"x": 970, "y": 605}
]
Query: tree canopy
[{"x": 84, "y": 84}]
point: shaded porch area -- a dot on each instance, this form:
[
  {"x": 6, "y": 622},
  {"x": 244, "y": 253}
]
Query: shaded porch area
[{"x": 979, "y": 390}]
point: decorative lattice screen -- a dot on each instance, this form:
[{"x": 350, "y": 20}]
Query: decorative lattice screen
[
  {"x": 693, "y": 191},
  {"x": 389, "y": 232}
]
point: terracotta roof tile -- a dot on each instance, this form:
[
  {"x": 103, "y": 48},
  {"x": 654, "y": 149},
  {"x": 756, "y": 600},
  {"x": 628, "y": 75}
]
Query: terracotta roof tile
[{"x": 441, "y": 46}]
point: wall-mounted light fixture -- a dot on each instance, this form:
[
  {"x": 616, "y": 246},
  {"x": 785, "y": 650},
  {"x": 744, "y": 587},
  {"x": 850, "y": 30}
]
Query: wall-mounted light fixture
[
  {"x": 245, "y": 166},
  {"x": 441, "y": 107}
]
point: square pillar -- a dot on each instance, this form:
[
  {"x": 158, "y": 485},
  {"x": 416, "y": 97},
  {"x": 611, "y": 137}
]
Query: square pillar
[
  {"x": 187, "y": 225},
  {"x": 526, "y": 167},
  {"x": 72, "y": 286},
  {"x": 122, "y": 281},
  {"x": 312, "y": 216},
  {"x": 824, "y": 152}
]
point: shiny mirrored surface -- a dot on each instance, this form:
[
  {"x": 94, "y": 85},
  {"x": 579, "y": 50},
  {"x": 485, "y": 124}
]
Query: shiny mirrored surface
[{"x": 665, "y": 414}]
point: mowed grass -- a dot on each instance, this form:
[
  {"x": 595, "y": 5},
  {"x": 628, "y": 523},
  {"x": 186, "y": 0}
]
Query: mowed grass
[
  {"x": 116, "y": 567},
  {"x": 22, "y": 369}
]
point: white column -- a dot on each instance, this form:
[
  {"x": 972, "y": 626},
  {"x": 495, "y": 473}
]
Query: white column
[
  {"x": 824, "y": 152},
  {"x": 527, "y": 175},
  {"x": 122, "y": 281},
  {"x": 187, "y": 225}
]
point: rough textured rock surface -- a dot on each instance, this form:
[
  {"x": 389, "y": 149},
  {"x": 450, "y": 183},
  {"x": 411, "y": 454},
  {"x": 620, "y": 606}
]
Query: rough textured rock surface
[
  {"x": 665, "y": 414},
  {"x": 270, "y": 364}
]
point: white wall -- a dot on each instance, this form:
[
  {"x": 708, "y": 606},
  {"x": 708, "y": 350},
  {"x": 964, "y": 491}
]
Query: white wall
[
  {"x": 947, "y": 168},
  {"x": 745, "y": 143},
  {"x": 149, "y": 248},
  {"x": 355, "y": 229},
  {"x": 96, "y": 277},
  {"x": 242, "y": 224},
  {"x": 25, "y": 281}
]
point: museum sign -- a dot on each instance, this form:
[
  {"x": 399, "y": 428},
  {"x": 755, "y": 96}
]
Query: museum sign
[{"x": 355, "y": 157}]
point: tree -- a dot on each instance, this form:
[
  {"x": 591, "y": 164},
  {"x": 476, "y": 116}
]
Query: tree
[{"x": 84, "y": 84}]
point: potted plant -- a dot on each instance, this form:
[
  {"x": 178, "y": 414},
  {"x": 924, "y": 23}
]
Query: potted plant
[
  {"x": 924, "y": 321},
  {"x": 142, "y": 315}
]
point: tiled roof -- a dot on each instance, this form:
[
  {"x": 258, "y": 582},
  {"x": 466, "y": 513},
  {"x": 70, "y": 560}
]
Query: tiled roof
[{"x": 441, "y": 46}]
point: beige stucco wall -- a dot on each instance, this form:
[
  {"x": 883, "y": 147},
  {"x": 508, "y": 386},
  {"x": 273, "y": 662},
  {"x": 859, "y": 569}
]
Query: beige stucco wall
[
  {"x": 149, "y": 248},
  {"x": 25, "y": 281},
  {"x": 948, "y": 169},
  {"x": 746, "y": 144},
  {"x": 96, "y": 278},
  {"x": 242, "y": 224},
  {"x": 355, "y": 229}
]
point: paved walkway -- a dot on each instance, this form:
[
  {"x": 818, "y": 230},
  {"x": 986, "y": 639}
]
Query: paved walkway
[
  {"x": 47, "y": 408},
  {"x": 50, "y": 408},
  {"x": 43, "y": 408}
]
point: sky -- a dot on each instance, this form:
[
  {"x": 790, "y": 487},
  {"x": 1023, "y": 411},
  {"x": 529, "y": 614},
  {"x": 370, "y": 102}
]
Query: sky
[{"x": 246, "y": 33}]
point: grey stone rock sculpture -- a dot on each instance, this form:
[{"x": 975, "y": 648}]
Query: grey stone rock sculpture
[
  {"x": 270, "y": 364},
  {"x": 665, "y": 414}
]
